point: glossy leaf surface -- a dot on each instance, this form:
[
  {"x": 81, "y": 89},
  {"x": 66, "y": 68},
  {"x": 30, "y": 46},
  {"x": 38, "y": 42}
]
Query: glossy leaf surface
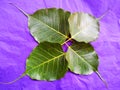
[
  {"x": 46, "y": 62},
  {"x": 83, "y": 27},
  {"x": 82, "y": 58},
  {"x": 51, "y": 25}
]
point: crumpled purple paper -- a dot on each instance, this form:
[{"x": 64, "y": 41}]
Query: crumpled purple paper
[{"x": 16, "y": 43}]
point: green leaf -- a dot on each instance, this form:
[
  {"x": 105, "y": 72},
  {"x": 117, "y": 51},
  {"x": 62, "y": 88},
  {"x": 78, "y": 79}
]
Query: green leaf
[
  {"x": 51, "y": 26},
  {"x": 82, "y": 59},
  {"x": 83, "y": 27},
  {"x": 46, "y": 62}
]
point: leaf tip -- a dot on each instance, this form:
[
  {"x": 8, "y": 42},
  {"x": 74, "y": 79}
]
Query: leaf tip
[
  {"x": 20, "y": 9},
  {"x": 102, "y": 79},
  {"x": 14, "y": 80},
  {"x": 104, "y": 14}
]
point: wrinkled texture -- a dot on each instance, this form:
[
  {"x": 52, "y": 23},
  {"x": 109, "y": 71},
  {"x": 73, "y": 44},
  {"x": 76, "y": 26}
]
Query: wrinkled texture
[{"x": 16, "y": 43}]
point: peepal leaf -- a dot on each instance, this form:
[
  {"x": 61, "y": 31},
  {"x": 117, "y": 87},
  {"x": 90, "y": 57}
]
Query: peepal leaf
[
  {"x": 46, "y": 62},
  {"x": 51, "y": 26},
  {"x": 51, "y": 29},
  {"x": 83, "y": 27},
  {"x": 82, "y": 59}
]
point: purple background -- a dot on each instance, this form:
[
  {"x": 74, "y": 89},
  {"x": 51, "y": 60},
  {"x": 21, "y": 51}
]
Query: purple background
[{"x": 16, "y": 43}]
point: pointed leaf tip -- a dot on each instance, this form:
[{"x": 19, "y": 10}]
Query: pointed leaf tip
[
  {"x": 14, "y": 80},
  {"x": 102, "y": 79},
  {"x": 20, "y": 9},
  {"x": 103, "y": 15}
]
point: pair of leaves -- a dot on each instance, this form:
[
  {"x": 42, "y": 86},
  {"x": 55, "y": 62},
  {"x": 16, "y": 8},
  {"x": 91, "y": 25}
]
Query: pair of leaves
[
  {"x": 54, "y": 25},
  {"x": 51, "y": 28},
  {"x": 49, "y": 62}
]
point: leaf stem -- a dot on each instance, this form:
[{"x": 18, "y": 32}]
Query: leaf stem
[
  {"x": 14, "y": 80},
  {"x": 20, "y": 9},
  {"x": 102, "y": 79}
]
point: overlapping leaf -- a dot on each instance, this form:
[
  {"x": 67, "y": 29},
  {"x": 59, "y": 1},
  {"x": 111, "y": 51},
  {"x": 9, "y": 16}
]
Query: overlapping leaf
[
  {"x": 46, "y": 62},
  {"x": 83, "y": 27},
  {"x": 51, "y": 25},
  {"x": 82, "y": 59}
]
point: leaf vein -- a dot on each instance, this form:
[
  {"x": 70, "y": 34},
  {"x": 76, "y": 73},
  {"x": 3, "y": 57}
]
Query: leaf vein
[
  {"x": 47, "y": 61},
  {"x": 49, "y": 27},
  {"x": 82, "y": 58}
]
